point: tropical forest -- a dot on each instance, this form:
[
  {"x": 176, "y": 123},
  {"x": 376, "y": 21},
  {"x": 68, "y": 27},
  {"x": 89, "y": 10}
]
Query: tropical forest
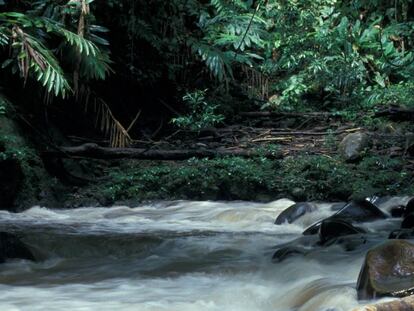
[{"x": 206, "y": 155}]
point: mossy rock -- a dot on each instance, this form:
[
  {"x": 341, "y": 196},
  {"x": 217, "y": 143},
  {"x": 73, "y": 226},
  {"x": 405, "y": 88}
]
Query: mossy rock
[
  {"x": 22, "y": 172},
  {"x": 387, "y": 271},
  {"x": 353, "y": 145}
]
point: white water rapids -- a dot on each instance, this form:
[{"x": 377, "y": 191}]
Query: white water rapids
[{"x": 176, "y": 256}]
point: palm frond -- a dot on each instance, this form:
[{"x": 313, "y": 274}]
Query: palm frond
[
  {"x": 106, "y": 122},
  {"x": 4, "y": 38},
  {"x": 217, "y": 61},
  {"x": 34, "y": 57},
  {"x": 83, "y": 45}
]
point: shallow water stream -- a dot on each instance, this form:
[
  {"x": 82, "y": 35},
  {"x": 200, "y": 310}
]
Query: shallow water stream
[{"x": 175, "y": 256}]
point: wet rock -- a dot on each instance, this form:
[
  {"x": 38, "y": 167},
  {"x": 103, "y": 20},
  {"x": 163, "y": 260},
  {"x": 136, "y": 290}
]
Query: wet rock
[
  {"x": 11, "y": 247},
  {"x": 387, "y": 271},
  {"x": 337, "y": 206},
  {"x": 332, "y": 232},
  {"x": 404, "y": 304},
  {"x": 11, "y": 178},
  {"x": 394, "y": 206},
  {"x": 408, "y": 222},
  {"x": 294, "y": 212},
  {"x": 288, "y": 251},
  {"x": 354, "y": 212},
  {"x": 353, "y": 145},
  {"x": 299, "y": 246},
  {"x": 349, "y": 243},
  {"x": 409, "y": 208},
  {"x": 312, "y": 229},
  {"x": 360, "y": 211},
  {"x": 397, "y": 211},
  {"x": 401, "y": 234},
  {"x": 333, "y": 228}
]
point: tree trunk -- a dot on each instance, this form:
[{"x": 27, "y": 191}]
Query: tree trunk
[{"x": 97, "y": 152}]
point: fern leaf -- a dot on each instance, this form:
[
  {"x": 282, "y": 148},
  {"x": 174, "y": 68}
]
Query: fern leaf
[{"x": 4, "y": 38}]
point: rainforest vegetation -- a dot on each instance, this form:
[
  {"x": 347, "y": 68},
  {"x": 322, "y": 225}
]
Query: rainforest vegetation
[{"x": 106, "y": 101}]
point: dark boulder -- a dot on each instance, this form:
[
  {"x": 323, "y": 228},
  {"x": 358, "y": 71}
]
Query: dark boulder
[
  {"x": 354, "y": 212},
  {"x": 351, "y": 242},
  {"x": 397, "y": 211},
  {"x": 409, "y": 208},
  {"x": 401, "y": 234},
  {"x": 331, "y": 232},
  {"x": 288, "y": 251},
  {"x": 294, "y": 212},
  {"x": 11, "y": 247},
  {"x": 408, "y": 222},
  {"x": 11, "y": 178},
  {"x": 395, "y": 206},
  {"x": 337, "y": 206},
  {"x": 313, "y": 229},
  {"x": 299, "y": 246},
  {"x": 333, "y": 228},
  {"x": 387, "y": 271},
  {"x": 360, "y": 211}
]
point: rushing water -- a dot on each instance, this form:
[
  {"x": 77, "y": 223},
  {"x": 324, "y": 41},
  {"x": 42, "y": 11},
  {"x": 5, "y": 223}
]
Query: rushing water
[{"x": 176, "y": 256}]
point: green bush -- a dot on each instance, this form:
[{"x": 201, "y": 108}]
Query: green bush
[
  {"x": 397, "y": 94},
  {"x": 202, "y": 114},
  {"x": 232, "y": 178}
]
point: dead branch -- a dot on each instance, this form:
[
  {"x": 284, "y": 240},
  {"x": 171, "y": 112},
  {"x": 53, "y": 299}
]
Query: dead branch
[
  {"x": 95, "y": 151},
  {"x": 260, "y": 114}
]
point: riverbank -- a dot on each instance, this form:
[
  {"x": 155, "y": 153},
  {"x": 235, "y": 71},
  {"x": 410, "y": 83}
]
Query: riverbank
[
  {"x": 276, "y": 162},
  {"x": 311, "y": 177}
]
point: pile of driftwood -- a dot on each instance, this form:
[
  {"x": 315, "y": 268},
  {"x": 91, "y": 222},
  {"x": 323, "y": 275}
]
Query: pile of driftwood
[{"x": 320, "y": 133}]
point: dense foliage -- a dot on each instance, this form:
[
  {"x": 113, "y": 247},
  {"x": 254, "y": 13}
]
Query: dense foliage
[
  {"x": 121, "y": 72},
  {"x": 233, "y": 178},
  {"x": 280, "y": 52},
  {"x": 283, "y": 54}
]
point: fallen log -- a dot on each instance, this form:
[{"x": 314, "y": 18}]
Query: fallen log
[
  {"x": 396, "y": 113},
  {"x": 308, "y": 133},
  {"x": 260, "y": 114},
  {"x": 95, "y": 151},
  {"x": 404, "y": 304},
  {"x": 275, "y": 132}
]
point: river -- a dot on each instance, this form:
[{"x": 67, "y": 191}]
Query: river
[{"x": 175, "y": 256}]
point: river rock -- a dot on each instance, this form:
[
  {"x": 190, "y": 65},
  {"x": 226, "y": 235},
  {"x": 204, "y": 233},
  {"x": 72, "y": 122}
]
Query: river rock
[
  {"x": 387, "y": 271},
  {"x": 354, "y": 212},
  {"x": 299, "y": 246},
  {"x": 397, "y": 211},
  {"x": 401, "y": 234},
  {"x": 404, "y": 304},
  {"x": 350, "y": 242},
  {"x": 408, "y": 222},
  {"x": 395, "y": 206},
  {"x": 409, "y": 208},
  {"x": 337, "y": 206},
  {"x": 331, "y": 232},
  {"x": 332, "y": 228},
  {"x": 353, "y": 145},
  {"x": 360, "y": 211},
  {"x": 294, "y": 212},
  {"x": 11, "y": 178},
  {"x": 285, "y": 252},
  {"x": 11, "y": 247}
]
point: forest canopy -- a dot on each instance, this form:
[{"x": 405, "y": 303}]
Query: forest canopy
[{"x": 272, "y": 55}]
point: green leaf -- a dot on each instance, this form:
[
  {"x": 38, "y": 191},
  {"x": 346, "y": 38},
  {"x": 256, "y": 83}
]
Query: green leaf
[{"x": 6, "y": 63}]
